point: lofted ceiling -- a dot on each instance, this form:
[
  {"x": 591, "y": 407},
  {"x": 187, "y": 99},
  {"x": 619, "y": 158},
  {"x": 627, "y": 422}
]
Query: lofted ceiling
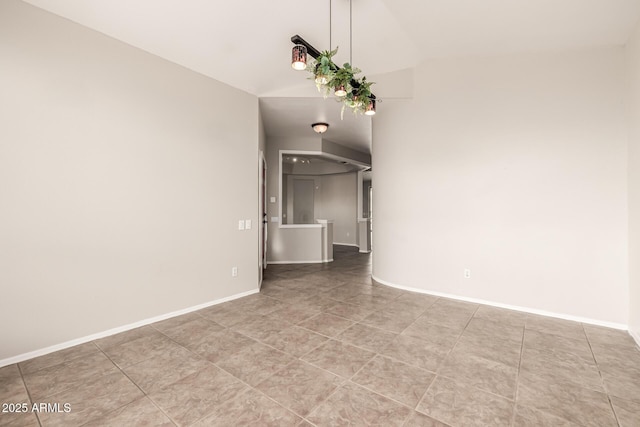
[{"x": 246, "y": 44}]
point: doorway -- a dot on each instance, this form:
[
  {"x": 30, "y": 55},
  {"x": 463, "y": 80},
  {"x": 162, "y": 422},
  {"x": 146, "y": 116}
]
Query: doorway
[{"x": 262, "y": 261}]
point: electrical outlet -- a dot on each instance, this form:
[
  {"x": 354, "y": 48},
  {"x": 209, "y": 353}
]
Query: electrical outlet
[
  {"x": 234, "y": 271},
  {"x": 467, "y": 273}
]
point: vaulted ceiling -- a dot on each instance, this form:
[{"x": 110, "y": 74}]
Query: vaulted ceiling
[{"x": 246, "y": 43}]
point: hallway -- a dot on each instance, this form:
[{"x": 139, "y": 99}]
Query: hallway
[{"x": 322, "y": 345}]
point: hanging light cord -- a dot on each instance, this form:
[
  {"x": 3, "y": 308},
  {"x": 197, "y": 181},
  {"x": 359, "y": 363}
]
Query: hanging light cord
[
  {"x": 330, "y": 25},
  {"x": 350, "y": 34}
]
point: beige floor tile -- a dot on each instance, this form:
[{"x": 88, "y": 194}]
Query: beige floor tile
[
  {"x": 461, "y": 405},
  {"x": 327, "y": 324},
  {"x": 295, "y": 341},
  {"x": 255, "y": 363},
  {"x": 423, "y": 329},
  {"x": 227, "y": 316},
  {"x": 58, "y": 357},
  {"x": 221, "y": 345},
  {"x": 123, "y": 337},
  {"x": 420, "y": 420},
  {"x": 543, "y": 341},
  {"x": 621, "y": 382},
  {"x": 263, "y": 305},
  {"x": 416, "y": 352},
  {"x": 338, "y": 357},
  {"x": 160, "y": 371},
  {"x": 484, "y": 374},
  {"x": 392, "y": 322},
  {"x": 580, "y": 405},
  {"x": 197, "y": 395},
  {"x": 13, "y": 392},
  {"x": 503, "y": 351},
  {"x": 250, "y": 408},
  {"x": 172, "y": 322},
  {"x": 561, "y": 327},
  {"x": 490, "y": 330},
  {"x": 300, "y": 387},
  {"x": 355, "y": 406},
  {"x": 294, "y": 314},
  {"x": 12, "y": 388},
  {"x": 343, "y": 292},
  {"x": 530, "y": 417},
  {"x": 90, "y": 400},
  {"x": 367, "y": 337},
  {"x": 193, "y": 331},
  {"x": 314, "y": 301},
  {"x": 135, "y": 351},
  {"x": 349, "y": 311},
  {"x": 69, "y": 375},
  {"x": 623, "y": 358},
  {"x": 627, "y": 412},
  {"x": 9, "y": 372},
  {"x": 609, "y": 337},
  {"x": 414, "y": 299},
  {"x": 501, "y": 315},
  {"x": 371, "y": 302},
  {"x": 395, "y": 380},
  {"x": 279, "y": 291},
  {"x": 19, "y": 419},
  {"x": 141, "y": 412},
  {"x": 261, "y": 327},
  {"x": 382, "y": 291},
  {"x": 561, "y": 367}
]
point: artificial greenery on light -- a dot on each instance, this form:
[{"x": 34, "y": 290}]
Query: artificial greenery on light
[{"x": 328, "y": 76}]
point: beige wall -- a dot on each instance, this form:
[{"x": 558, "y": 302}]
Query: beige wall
[
  {"x": 122, "y": 180},
  {"x": 514, "y": 167},
  {"x": 633, "y": 75},
  {"x": 339, "y": 202}
]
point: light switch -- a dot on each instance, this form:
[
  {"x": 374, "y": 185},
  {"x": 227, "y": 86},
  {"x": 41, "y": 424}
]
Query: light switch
[
  {"x": 274, "y": 219},
  {"x": 241, "y": 225},
  {"x": 272, "y": 199},
  {"x": 247, "y": 224}
]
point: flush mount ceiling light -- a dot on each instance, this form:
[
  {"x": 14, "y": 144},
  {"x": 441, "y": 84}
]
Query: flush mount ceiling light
[
  {"x": 353, "y": 92},
  {"x": 320, "y": 127}
]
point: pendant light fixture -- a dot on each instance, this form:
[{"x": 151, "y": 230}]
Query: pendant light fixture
[
  {"x": 370, "y": 109},
  {"x": 299, "y": 57},
  {"x": 340, "y": 91},
  {"x": 353, "y": 92}
]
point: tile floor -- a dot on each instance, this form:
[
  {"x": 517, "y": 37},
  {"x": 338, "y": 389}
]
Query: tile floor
[{"x": 321, "y": 345}]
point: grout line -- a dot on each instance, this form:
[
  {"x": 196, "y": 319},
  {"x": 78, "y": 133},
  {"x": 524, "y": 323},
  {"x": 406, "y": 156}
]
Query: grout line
[
  {"x": 24, "y": 383},
  {"x": 144, "y": 394},
  {"x": 517, "y": 390},
  {"x": 595, "y": 359}
]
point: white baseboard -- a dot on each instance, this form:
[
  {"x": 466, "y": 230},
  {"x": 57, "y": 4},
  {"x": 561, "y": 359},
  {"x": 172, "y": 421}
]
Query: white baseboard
[
  {"x": 300, "y": 262},
  {"x": 346, "y": 244},
  {"x": 635, "y": 336},
  {"x": 78, "y": 341},
  {"x": 612, "y": 325},
  {"x": 364, "y": 252}
]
